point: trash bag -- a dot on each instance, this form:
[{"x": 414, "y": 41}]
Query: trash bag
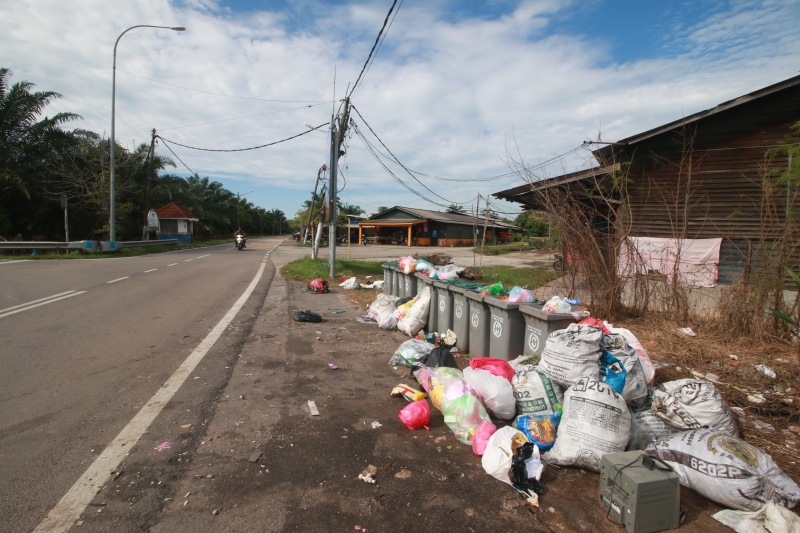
[
  {"x": 539, "y": 429},
  {"x": 412, "y": 353},
  {"x": 402, "y": 301},
  {"x": 771, "y": 518},
  {"x": 481, "y": 438},
  {"x": 500, "y": 450},
  {"x": 525, "y": 469},
  {"x": 725, "y": 469},
  {"x": 424, "y": 267},
  {"x": 441, "y": 356},
  {"x": 496, "y": 289},
  {"x": 647, "y": 364},
  {"x": 646, "y": 427},
  {"x": 417, "y": 316},
  {"x": 410, "y": 394},
  {"x": 403, "y": 308},
  {"x": 556, "y": 305},
  {"x": 442, "y": 384},
  {"x": 448, "y": 272},
  {"x": 572, "y": 353},
  {"x": 318, "y": 285},
  {"x": 350, "y": 283},
  {"x": 595, "y": 422},
  {"x": 621, "y": 367},
  {"x": 496, "y": 366},
  {"x": 694, "y": 403},
  {"x": 463, "y": 415},
  {"x": 381, "y": 311},
  {"x": 495, "y": 391},
  {"x": 520, "y": 295},
  {"x": 416, "y": 414},
  {"x": 306, "y": 316},
  {"x": 534, "y": 392},
  {"x": 407, "y": 264}
]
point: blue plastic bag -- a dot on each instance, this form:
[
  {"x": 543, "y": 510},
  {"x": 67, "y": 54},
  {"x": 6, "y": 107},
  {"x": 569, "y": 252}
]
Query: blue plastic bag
[
  {"x": 612, "y": 372},
  {"x": 539, "y": 429},
  {"x": 520, "y": 295}
]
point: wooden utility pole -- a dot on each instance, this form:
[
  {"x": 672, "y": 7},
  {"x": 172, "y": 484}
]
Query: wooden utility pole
[{"x": 145, "y": 233}]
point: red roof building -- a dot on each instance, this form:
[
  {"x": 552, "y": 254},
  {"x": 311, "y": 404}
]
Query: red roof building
[{"x": 175, "y": 222}]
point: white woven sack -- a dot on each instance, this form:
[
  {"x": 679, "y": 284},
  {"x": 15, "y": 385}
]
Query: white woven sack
[
  {"x": 535, "y": 393},
  {"x": 572, "y": 353},
  {"x": 693, "y": 403},
  {"x": 417, "y": 316}
]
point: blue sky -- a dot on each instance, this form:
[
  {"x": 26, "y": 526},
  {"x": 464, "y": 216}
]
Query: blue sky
[{"x": 457, "y": 88}]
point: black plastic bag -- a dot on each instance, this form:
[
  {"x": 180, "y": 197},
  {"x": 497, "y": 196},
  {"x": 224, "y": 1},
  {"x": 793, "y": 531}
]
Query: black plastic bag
[
  {"x": 307, "y": 316},
  {"x": 519, "y": 472},
  {"x": 441, "y": 356},
  {"x": 402, "y": 301}
]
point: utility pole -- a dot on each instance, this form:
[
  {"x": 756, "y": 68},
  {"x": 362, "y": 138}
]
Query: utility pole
[
  {"x": 274, "y": 214},
  {"x": 485, "y": 223},
  {"x": 318, "y": 234},
  {"x": 322, "y": 169},
  {"x": 145, "y": 233},
  {"x": 337, "y": 134},
  {"x": 66, "y": 218}
]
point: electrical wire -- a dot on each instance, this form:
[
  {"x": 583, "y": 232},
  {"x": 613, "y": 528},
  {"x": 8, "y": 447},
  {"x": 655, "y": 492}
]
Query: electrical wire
[
  {"x": 369, "y": 67},
  {"x": 242, "y": 149},
  {"x": 227, "y": 95},
  {"x": 241, "y": 118},
  {"x": 179, "y": 159},
  {"x": 385, "y": 21}
]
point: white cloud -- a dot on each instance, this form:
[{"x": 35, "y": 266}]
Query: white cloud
[{"x": 444, "y": 95}]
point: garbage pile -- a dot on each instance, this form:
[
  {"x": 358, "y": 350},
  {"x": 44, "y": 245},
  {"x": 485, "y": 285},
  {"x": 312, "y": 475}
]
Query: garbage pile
[{"x": 588, "y": 393}]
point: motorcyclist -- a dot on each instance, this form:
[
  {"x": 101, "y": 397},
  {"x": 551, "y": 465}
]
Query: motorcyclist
[{"x": 240, "y": 233}]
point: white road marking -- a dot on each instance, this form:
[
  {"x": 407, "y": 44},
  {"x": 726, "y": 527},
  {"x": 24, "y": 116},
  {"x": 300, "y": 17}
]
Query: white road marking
[
  {"x": 186, "y": 260},
  {"x": 34, "y": 301},
  {"x": 14, "y": 261},
  {"x": 118, "y": 279},
  {"x": 172, "y": 265},
  {"x": 63, "y": 516},
  {"x": 43, "y": 303},
  {"x": 202, "y": 256},
  {"x": 151, "y": 270}
]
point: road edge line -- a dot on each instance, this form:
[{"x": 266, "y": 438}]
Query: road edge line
[
  {"x": 43, "y": 303},
  {"x": 69, "y": 509}
]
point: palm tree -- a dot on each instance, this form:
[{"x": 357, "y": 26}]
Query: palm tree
[
  {"x": 348, "y": 209},
  {"x": 455, "y": 208},
  {"x": 27, "y": 145}
]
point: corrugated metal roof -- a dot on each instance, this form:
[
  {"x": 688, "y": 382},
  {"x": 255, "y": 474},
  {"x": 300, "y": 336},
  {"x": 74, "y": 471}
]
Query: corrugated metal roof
[{"x": 439, "y": 216}]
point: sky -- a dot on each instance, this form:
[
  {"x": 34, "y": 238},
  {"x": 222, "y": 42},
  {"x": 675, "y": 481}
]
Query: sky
[{"x": 457, "y": 89}]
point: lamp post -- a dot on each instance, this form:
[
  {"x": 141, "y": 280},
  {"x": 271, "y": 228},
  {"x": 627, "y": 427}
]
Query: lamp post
[
  {"x": 238, "y": 198},
  {"x": 112, "y": 226}
]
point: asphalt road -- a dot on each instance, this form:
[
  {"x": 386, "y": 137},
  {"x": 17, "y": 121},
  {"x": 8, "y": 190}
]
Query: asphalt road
[{"x": 84, "y": 344}]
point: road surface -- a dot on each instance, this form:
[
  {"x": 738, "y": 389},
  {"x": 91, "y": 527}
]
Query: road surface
[{"x": 85, "y": 344}]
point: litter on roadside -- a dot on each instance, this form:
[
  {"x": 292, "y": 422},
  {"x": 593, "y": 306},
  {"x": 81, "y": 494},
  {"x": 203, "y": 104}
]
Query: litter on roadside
[
  {"x": 306, "y": 316},
  {"x": 312, "y": 406}
]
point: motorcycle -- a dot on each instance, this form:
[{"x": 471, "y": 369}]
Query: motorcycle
[{"x": 240, "y": 242}]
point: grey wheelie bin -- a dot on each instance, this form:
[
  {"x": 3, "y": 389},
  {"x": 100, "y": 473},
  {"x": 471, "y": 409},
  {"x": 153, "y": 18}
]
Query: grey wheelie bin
[
  {"x": 444, "y": 307},
  {"x": 538, "y": 325},
  {"x": 388, "y": 276},
  {"x": 460, "y": 318},
  {"x": 478, "y": 325},
  {"x": 409, "y": 285},
  {"x": 507, "y": 327},
  {"x": 398, "y": 275},
  {"x": 401, "y": 283},
  {"x": 422, "y": 282}
]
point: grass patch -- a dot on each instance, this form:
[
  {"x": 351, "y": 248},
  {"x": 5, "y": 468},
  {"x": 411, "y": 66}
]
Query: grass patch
[
  {"x": 124, "y": 252},
  {"x": 511, "y": 276},
  {"x": 536, "y": 243},
  {"x": 306, "y": 269}
]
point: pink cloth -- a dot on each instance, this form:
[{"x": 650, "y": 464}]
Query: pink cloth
[{"x": 698, "y": 259}]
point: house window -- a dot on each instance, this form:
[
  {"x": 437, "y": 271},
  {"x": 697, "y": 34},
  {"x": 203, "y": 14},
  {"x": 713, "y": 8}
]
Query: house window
[{"x": 169, "y": 227}]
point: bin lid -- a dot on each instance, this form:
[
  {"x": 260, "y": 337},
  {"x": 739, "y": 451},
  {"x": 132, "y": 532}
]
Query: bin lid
[
  {"x": 440, "y": 284},
  {"x": 502, "y": 304},
  {"x": 424, "y": 278},
  {"x": 536, "y": 310},
  {"x": 474, "y": 296}
]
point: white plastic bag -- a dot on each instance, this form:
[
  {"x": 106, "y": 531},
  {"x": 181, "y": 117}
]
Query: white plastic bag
[
  {"x": 411, "y": 353},
  {"x": 349, "y": 283},
  {"x": 448, "y": 272},
  {"x": 726, "y": 469},
  {"x": 595, "y": 422},
  {"x": 495, "y": 391},
  {"x": 556, "y": 305},
  {"x": 693, "y": 403},
  {"x": 381, "y": 311},
  {"x": 417, "y": 316},
  {"x": 534, "y": 392},
  {"x": 572, "y": 353},
  {"x": 771, "y": 518},
  {"x": 500, "y": 449}
]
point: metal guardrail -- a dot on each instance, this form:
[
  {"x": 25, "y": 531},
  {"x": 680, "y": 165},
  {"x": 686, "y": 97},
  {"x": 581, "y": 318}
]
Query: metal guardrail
[
  {"x": 111, "y": 246},
  {"x": 48, "y": 245}
]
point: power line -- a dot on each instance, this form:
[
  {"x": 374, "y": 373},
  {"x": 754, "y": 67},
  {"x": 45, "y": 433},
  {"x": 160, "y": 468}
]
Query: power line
[
  {"x": 181, "y": 160},
  {"x": 226, "y": 95},
  {"x": 241, "y": 118},
  {"x": 243, "y": 149},
  {"x": 385, "y": 21},
  {"x": 378, "y": 49}
]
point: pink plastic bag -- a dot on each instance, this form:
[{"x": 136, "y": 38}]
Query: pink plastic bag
[
  {"x": 496, "y": 366},
  {"x": 416, "y": 414},
  {"x": 481, "y": 438},
  {"x": 596, "y": 323}
]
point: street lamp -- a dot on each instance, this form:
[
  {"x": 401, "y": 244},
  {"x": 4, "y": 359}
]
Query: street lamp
[
  {"x": 238, "y": 197},
  {"x": 112, "y": 226}
]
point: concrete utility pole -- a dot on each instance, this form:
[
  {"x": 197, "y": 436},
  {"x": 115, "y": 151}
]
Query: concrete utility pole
[
  {"x": 145, "y": 233},
  {"x": 485, "y": 223},
  {"x": 322, "y": 169},
  {"x": 337, "y": 134}
]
